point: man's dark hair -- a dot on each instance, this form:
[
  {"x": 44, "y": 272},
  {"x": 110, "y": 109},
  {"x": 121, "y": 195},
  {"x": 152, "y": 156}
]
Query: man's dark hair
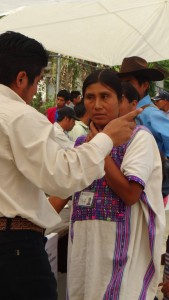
[
  {"x": 65, "y": 94},
  {"x": 74, "y": 94},
  {"x": 80, "y": 110},
  {"x": 20, "y": 53},
  {"x": 142, "y": 79},
  {"x": 130, "y": 92},
  {"x": 64, "y": 112}
]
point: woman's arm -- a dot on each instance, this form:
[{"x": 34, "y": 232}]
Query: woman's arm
[{"x": 128, "y": 191}]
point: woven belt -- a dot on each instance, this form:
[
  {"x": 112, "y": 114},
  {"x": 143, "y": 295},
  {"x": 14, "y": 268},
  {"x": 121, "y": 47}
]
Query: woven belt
[{"x": 18, "y": 223}]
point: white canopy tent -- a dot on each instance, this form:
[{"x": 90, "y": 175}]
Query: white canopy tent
[
  {"x": 103, "y": 31},
  {"x": 9, "y": 6}
]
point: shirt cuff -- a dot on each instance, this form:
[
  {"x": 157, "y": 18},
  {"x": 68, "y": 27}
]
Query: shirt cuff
[
  {"x": 103, "y": 142},
  {"x": 136, "y": 179}
]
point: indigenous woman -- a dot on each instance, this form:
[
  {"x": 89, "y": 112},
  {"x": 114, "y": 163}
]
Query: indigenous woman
[{"x": 117, "y": 223}]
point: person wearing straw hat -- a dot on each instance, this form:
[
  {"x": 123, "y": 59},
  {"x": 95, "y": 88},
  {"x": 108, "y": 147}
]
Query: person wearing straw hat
[{"x": 135, "y": 69}]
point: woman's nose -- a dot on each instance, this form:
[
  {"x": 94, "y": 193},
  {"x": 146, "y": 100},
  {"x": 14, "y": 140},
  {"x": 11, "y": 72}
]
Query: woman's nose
[{"x": 98, "y": 103}]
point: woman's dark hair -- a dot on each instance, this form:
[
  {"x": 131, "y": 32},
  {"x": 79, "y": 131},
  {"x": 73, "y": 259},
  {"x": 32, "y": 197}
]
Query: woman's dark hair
[
  {"x": 106, "y": 77},
  {"x": 20, "y": 53},
  {"x": 129, "y": 91}
]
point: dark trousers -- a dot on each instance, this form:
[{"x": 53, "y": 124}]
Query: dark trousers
[{"x": 25, "y": 272}]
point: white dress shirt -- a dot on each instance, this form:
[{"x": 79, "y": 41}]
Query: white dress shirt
[
  {"x": 62, "y": 137},
  {"x": 32, "y": 162},
  {"x": 79, "y": 129}
]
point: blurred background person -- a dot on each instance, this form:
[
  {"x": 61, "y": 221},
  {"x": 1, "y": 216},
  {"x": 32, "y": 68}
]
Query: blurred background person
[
  {"x": 82, "y": 126},
  {"x": 161, "y": 100},
  {"x": 130, "y": 98},
  {"x": 75, "y": 98},
  {"x": 63, "y": 97},
  {"x": 65, "y": 121}
]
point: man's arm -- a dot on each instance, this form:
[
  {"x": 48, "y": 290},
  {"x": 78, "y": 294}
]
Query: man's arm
[
  {"x": 58, "y": 203},
  {"x": 40, "y": 159}
]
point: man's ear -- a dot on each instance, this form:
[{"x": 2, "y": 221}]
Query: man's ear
[
  {"x": 146, "y": 85},
  {"x": 21, "y": 79}
]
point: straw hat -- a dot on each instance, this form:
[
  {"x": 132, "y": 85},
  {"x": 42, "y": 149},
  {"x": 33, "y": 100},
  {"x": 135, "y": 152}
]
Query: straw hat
[{"x": 138, "y": 66}]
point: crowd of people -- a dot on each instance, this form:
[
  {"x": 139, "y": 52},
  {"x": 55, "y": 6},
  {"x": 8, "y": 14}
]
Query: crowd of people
[{"x": 106, "y": 149}]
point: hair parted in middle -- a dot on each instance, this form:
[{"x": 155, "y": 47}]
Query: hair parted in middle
[{"x": 106, "y": 77}]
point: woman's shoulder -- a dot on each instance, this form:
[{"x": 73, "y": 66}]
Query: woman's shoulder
[{"x": 80, "y": 140}]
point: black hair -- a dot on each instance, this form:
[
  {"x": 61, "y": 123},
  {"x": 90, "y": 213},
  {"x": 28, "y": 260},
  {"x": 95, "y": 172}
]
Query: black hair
[
  {"x": 74, "y": 94},
  {"x": 129, "y": 91},
  {"x": 80, "y": 109},
  {"x": 65, "y": 94},
  {"x": 106, "y": 77},
  {"x": 142, "y": 79},
  {"x": 20, "y": 53},
  {"x": 64, "y": 112}
]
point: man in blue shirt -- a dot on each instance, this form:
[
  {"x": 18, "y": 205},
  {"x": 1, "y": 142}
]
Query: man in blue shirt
[{"x": 135, "y": 70}]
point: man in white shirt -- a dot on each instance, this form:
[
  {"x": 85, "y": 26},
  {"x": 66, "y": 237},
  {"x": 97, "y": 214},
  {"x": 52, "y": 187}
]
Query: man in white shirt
[
  {"x": 82, "y": 126},
  {"x": 65, "y": 121},
  {"x": 32, "y": 161}
]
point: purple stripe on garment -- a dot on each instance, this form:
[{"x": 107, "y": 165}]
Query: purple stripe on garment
[
  {"x": 119, "y": 258},
  {"x": 152, "y": 232},
  {"x": 136, "y": 179}
]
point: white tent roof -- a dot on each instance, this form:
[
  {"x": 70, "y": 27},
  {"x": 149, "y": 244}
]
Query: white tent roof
[
  {"x": 103, "y": 31},
  {"x": 8, "y": 6}
]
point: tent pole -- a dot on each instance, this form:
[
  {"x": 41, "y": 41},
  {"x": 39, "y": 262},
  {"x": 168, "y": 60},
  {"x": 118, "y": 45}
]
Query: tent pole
[{"x": 58, "y": 61}]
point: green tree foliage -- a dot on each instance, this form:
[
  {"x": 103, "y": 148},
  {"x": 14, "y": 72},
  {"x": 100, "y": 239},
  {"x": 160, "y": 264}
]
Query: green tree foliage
[{"x": 74, "y": 71}]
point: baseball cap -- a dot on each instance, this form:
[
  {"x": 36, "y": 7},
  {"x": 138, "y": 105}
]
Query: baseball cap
[
  {"x": 66, "y": 112},
  {"x": 162, "y": 95}
]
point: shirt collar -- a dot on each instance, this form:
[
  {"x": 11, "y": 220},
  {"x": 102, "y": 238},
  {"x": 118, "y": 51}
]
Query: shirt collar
[
  {"x": 57, "y": 125},
  {"x": 82, "y": 124},
  {"x": 144, "y": 101},
  {"x": 8, "y": 92}
]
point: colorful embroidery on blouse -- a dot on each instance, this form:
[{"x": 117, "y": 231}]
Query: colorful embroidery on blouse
[{"x": 106, "y": 205}]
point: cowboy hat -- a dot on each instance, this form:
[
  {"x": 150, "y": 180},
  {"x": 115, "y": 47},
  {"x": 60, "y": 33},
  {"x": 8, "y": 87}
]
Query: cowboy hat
[{"x": 138, "y": 66}]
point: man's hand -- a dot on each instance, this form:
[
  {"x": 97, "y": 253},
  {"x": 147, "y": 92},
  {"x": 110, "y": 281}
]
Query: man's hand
[{"x": 120, "y": 129}]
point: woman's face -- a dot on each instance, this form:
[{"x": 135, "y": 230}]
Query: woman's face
[{"x": 101, "y": 103}]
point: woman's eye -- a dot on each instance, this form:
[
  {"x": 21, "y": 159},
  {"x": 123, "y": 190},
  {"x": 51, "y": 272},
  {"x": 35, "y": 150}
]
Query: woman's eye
[
  {"x": 105, "y": 96},
  {"x": 89, "y": 97}
]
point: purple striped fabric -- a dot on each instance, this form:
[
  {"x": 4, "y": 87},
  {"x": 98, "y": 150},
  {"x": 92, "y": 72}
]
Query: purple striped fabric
[
  {"x": 109, "y": 207},
  {"x": 152, "y": 232},
  {"x": 119, "y": 258}
]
